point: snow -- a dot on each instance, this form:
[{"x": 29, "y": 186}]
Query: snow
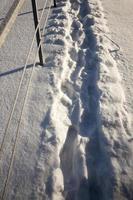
[
  {"x": 75, "y": 135},
  {"x": 4, "y": 7},
  {"x": 119, "y": 15}
]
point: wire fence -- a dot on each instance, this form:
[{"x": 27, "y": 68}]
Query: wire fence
[{"x": 37, "y": 35}]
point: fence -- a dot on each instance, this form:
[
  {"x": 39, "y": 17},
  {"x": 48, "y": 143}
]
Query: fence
[
  {"x": 4, "y": 30},
  {"x": 10, "y": 18}
]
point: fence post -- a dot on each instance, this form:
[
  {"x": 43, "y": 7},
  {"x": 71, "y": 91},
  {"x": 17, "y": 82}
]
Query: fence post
[
  {"x": 54, "y": 3},
  {"x": 38, "y": 34}
]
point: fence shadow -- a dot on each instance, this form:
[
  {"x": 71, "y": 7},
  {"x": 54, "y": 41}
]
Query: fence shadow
[{"x": 17, "y": 70}]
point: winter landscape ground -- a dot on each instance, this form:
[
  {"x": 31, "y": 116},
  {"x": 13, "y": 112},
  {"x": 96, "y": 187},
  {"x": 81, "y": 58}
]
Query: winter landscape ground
[{"x": 75, "y": 136}]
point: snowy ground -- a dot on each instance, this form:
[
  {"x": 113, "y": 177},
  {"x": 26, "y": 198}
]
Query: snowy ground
[
  {"x": 120, "y": 21},
  {"x": 4, "y": 7},
  {"x": 75, "y": 137}
]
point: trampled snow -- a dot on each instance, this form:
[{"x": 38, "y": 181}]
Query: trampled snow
[{"x": 75, "y": 136}]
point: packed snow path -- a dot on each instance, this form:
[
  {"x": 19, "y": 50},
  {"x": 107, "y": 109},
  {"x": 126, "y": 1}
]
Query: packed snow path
[{"x": 75, "y": 140}]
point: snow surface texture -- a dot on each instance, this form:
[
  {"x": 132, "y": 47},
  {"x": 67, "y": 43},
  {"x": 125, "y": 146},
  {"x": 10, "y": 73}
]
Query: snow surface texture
[
  {"x": 88, "y": 117},
  {"x": 121, "y": 28},
  {"x": 85, "y": 147},
  {"x": 90, "y": 127}
]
